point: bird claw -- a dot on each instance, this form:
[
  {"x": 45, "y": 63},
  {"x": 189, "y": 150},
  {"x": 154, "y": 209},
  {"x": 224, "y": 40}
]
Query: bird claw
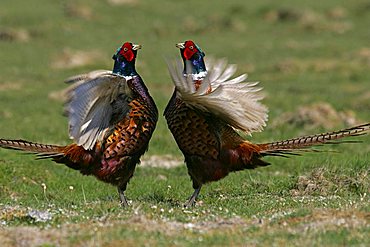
[
  {"x": 192, "y": 200},
  {"x": 190, "y": 203},
  {"x": 124, "y": 203}
]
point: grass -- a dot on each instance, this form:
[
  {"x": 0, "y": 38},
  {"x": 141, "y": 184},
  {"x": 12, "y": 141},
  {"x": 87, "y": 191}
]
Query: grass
[{"x": 302, "y": 53}]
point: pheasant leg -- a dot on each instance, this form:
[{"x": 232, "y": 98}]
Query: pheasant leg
[
  {"x": 122, "y": 197},
  {"x": 194, "y": 196}
]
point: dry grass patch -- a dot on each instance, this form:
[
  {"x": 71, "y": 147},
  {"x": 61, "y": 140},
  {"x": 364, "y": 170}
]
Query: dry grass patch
[
  {"x": 325, "y": 183},
  {"x": 317, "y": 115},
  {"x": 164, "y": 161},
  {"x": 7, "y": 86},
  {"x": 140, "y": 229},
  {"x": 364, "y": 55},
  {"x": 78, "y": 11},
  {"x": 72, "y": 59},
  {"x": 213, "y": 23},
  {"x": 15, "y": 35},
  {"x": 321, "y": 220},
  {"x": 337, "y": 13},
  {"x": 123, "y": 2},
  {"x": 307, "y": 19},
  {"x": 348, "y": 64}
]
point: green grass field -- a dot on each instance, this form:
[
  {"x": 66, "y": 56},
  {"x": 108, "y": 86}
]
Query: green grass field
[{"x": 313, "y": 61}]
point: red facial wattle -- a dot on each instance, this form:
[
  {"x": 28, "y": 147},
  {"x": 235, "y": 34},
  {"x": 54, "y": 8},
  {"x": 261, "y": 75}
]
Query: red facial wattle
[
  {"x": 126, "y": 52},
  {"x": 188, "y": 53},
  {"x": 189, "y": 50}
]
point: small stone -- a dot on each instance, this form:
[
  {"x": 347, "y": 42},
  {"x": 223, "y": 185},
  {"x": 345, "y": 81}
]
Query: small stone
[{"x": 40, "y": 216}]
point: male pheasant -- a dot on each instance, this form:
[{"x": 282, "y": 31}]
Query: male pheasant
[
  {"x": 206, "y": 109},
  {"x": 111, "y": 119}
]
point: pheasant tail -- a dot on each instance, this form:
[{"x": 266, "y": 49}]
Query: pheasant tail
[
  {"x": 289, "y": 147},
  {"x": 31, "y": 147},
  {"x": 72, "y": 155}
]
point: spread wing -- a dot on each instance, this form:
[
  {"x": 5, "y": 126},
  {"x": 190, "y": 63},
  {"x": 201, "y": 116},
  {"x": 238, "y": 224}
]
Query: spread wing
[
  {"x": 233, "y": 100},
  {"x": 93, "y": 101}
]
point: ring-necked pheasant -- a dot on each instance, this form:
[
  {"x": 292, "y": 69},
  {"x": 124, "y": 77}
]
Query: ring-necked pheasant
[
  {"x": 111, "y": 119},
  {"x": 206, "y": 109}
]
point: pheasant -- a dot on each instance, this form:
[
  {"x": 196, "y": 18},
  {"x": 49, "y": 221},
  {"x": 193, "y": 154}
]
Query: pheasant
[
  {"x": 206, "y": 109},
  {"x": 111, "y": 120}
]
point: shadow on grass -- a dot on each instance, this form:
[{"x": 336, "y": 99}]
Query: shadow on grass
[{"x": 159, "y": 198}]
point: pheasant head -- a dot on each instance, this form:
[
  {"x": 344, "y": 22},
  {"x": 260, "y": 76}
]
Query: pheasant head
[
  {"x": 124, "y": 59},
  {"x": 192, "y": 55}
]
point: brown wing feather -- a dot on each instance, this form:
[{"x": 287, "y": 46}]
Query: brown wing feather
[{"x": 191, "y": 130}]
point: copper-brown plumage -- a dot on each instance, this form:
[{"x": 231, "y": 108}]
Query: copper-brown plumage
[
  {"x": 204, "y": 112},
  {"x": 111, "y": 118}
]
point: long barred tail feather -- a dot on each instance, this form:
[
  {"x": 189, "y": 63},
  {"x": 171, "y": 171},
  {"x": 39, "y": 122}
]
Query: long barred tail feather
[
  {"x": 300, "y": 144},
  {"x": 42, "y": 150},
  {"x": 73, "y": 156}
]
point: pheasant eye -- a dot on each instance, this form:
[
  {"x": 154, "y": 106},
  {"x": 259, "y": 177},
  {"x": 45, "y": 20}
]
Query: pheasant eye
[
  {"x": 125, "y": 49},
  {"x": 191, "y": 47}
]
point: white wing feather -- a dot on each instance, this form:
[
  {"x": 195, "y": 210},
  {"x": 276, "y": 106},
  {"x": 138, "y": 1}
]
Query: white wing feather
[
  {"x": 90, "y": 105},
  {"x": 234, "y": 101}
]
